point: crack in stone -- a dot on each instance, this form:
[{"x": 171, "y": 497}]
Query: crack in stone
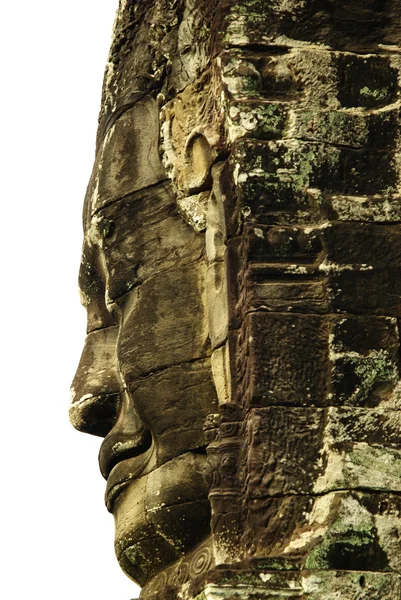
[{"x": 130, "y": 194}]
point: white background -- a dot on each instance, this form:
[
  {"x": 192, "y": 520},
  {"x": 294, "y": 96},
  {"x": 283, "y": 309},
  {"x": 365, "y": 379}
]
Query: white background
[{"x": 56, "y": 535}]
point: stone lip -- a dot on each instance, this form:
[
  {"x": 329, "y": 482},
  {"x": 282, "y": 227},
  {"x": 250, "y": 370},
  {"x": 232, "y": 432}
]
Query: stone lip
[
  {"x": 125, "y": 471},
  {"x": 119, "y": 447}
]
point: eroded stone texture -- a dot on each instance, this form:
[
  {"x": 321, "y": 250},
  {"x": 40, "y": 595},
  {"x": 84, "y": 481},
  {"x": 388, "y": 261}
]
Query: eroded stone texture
[{"x": 241, "y": 271}]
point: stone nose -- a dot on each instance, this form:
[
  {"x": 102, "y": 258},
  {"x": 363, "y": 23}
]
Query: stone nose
[
  {"x": 128, "y": 438},
  {"x": 96, "y": 389}
]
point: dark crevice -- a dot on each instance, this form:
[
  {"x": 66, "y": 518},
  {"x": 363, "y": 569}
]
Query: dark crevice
[
  {"x": 358, "y": 489},
  {"x": 166, "y": 506},
  {"x": 138, "y": 284},
  {"x": 131, "y": 444},
  {"x": 255, "y": 141},
  {"x": 284, "y": 49},
  {"x": 142, "y": 378},
  {"x": 110, "y": 121},
  {"x": 202, "y": 450},
  {"x": 318, "y": 226},
  {"x": 324, "y": 143},
  {"x": 342, "y": 313},
  {"x": 130, "y": 194},
  {"x": 220, "y": 345},
  {"x": 101, "y": 328},
  {"x": 322, "y": 407}
]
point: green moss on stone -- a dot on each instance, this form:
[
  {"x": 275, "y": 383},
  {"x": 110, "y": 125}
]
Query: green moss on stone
[
  {"x": 366, "y": 372},
  {"x": 379, "y": 94},
  {"x": 105, "y": 228},
  {"x": 342, "y": 546}
]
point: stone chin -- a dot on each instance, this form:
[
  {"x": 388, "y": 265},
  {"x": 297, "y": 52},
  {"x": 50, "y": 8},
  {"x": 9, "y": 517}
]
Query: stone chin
[{"x": 159, "y": 516}]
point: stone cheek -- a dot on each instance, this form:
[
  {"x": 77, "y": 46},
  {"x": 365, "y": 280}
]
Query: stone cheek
[{"x": 184, "y": 395}]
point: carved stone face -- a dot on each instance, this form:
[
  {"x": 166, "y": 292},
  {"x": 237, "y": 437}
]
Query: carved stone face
[
  {"x": 285, "y": 153},
  {"x": 144, "y": 381}
]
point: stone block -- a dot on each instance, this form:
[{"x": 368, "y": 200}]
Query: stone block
[
  {"x": 286, "y": 176},
  {"x": 343, "y": 267},
  {"x": 174, "y": 404},
  {"x": 286, "y": 360},
  {"x": 377, "y": 209},
  {"x": 322, "y": 450},
  {"x": 341, "y": 531},
  {"x": 158, "y": 332},
  {"x": 128, "y": 159},
  {"x": 342, "y": 127},
  {"x": 279, "y": 463},
  {"x": 366, "y": 82},
  {"x": 361, "y": 450},
  {"x": 256, "y": 119},
  {"x": 364, "y": 28},
  {"x": 159, "y": 240},
  {"x": 364, "y": 361},
  {"x": 362, "y": 265}
]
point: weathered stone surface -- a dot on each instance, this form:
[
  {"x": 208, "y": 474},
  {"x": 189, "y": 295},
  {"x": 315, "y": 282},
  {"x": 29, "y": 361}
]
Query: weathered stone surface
[
  {"x": 306, "y": 585},
  {"x": 216, "y": 227},
  {"x": 321, "y": 268},
  {"x": 174, "y": 404},
  {"x": 169, "y": 516},
  {"x": 241, "y": 269},
  {"x": 337, "y": 448},
  {"x": 345, "y": 531},
  {"x": 93, "y": 289},
  {"x": 96, "y": 387},
  {"x": 333, "y": 365},
  {"x": 222, "y": 376},
  {"x": 128, "y": 159},
  {"x": 193, "y": 210},
  {"x": 158, "y": 46},
  {"x": 156, "y": 332},
  {"x": 159, "y": 241},
  {"x": 365, "y": 27},
  {"x": 143, "y": 550},
  {"x": 287, "y": 357},
  {"x": 216, "y": 290},
  {"x": 191, "y": 481},
  {"x": 192, "y": 135},
  {"x": 283, "y": 176},
  {"x": 364, "y": 208},
  {"x": 278, "y": 464}
]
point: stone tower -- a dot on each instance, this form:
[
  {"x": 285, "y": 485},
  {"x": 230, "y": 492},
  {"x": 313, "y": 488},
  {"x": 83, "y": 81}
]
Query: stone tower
[{"x": 242, "y": 275}]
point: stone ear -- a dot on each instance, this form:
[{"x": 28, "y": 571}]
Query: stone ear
[{"x": 198, "y": 161}]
